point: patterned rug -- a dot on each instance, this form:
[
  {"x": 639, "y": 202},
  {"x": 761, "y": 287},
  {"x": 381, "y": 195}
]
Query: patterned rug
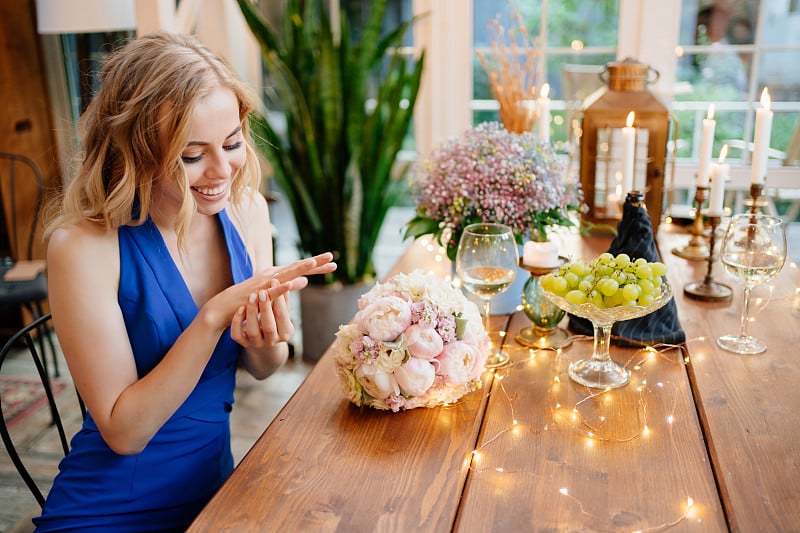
[{"x": 20, "y": 396}]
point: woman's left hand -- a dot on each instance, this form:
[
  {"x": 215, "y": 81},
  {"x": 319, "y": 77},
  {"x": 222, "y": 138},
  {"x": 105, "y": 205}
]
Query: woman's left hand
[{"x": 265, "y": 320}]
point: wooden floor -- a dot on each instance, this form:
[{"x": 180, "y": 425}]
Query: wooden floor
[{"x": 257, "y": 402}]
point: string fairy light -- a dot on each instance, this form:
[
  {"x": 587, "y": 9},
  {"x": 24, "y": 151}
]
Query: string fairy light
[{"x": 595, "y": 430}]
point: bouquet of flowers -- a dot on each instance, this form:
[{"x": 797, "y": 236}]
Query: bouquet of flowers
[
  {"x": 416, "y": 341},
  {"x": 489, "y": 174}
]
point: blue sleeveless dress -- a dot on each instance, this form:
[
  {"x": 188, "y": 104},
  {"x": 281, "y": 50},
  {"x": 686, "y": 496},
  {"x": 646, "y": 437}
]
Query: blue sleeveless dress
[{"x": 166, "y": 485}]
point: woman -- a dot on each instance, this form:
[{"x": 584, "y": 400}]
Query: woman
[{"x": 161, "y": 284}]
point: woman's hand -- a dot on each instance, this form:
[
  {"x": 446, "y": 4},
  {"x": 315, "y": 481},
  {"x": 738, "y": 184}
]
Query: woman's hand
[{"x": 264, "y": 320}]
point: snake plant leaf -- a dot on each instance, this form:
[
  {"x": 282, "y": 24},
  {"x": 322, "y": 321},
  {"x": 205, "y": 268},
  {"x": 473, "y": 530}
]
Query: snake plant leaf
[
  {"x": 347, "y": 105},
  {"x": 354, "y": 200}
]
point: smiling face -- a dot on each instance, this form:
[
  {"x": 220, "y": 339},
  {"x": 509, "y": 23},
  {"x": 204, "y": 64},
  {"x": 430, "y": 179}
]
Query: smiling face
[{"x": 213, "y": 155}]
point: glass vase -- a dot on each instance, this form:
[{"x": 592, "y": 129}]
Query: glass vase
[{"x": 545, "y": 316}]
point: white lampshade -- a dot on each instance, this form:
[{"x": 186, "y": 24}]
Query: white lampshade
[{"x": 85, "y": 16}]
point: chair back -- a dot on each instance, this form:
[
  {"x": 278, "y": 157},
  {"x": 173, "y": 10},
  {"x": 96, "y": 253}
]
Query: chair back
[
  {"x": 15, "y": 171},
  {"x": 28, "y": 343}
]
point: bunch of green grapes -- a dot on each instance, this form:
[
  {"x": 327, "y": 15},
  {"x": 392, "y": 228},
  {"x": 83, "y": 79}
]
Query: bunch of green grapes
[{"x": 607, "y": 281}]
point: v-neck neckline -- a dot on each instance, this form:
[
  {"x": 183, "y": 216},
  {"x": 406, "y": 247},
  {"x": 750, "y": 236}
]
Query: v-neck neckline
[{"x": 181, "y": 298}]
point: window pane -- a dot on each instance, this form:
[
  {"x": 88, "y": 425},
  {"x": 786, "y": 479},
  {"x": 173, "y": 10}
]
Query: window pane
[
  {"x": 579, "y": 32},
  {"x": 730, "y": 57},
  {"x": 719, "y": 75},
  {"x": 592, "y": 22},
  {"x": 706, "y": 22}
]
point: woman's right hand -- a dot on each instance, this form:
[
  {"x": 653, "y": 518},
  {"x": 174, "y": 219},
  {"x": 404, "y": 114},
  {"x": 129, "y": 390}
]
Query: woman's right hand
[{"x": 219, "y": 311}]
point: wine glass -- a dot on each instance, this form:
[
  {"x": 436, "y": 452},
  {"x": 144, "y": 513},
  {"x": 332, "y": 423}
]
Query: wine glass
[
  {"x": 486, "y": 262},
  {"x": 754, "y": 250}
]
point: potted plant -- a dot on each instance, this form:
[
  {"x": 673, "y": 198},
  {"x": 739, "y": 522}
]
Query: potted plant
[{"x": 346, "y": 107}]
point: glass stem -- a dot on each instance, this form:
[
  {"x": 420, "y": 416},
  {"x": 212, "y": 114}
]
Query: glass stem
[
  {"x": 745, "y": 311},
  {"x": 487, "y": 308},
  {"x": 602, "y": 339}
]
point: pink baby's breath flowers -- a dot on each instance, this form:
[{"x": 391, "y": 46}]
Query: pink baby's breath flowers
[{"x": 489, "y": 174}]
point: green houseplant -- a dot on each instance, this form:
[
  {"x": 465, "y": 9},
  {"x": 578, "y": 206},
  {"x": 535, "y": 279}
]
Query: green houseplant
[{"x": 348, "y": 105}]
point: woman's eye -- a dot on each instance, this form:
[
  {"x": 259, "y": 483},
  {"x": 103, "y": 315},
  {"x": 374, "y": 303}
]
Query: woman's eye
[
  {"x": 234, "y": 146},
  {"x": 187, "y": 159}
]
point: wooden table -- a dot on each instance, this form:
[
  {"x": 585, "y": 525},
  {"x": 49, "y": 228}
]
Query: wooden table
[{"x": 700, "y": 440}]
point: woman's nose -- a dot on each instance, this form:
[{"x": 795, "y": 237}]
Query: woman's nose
[{"x": 220, "y": 166}]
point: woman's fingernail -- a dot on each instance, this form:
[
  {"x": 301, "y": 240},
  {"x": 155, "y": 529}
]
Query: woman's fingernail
[
  {"x": 262, "y": 295},
  {"x": 252, "y": 298}
]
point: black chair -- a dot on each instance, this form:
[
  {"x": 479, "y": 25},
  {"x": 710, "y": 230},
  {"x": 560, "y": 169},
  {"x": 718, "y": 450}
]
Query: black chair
[
  {"x": 24, "y": 342},
  {"x": 17, "y": 293}
]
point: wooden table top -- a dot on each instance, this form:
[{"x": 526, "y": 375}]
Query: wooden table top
[{"x": 701, "y": 439}]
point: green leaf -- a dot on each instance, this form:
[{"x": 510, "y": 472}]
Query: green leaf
[{"x": 335, "y": 158}]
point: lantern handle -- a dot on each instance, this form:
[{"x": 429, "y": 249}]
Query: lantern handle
[{"x": 603, "y": 75}]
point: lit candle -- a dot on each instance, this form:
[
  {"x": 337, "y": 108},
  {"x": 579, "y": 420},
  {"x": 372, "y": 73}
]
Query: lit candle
[
  {"x": 706, "y": 145},
  {"x": 540, "y": 254},
  {"x": 761, "y": 139},
  {"x": 719, "y": 173},
  {"x": 628, "y": 150},
  {"x": 543, "y": 104},
  {"x": 615, "y": 198}
]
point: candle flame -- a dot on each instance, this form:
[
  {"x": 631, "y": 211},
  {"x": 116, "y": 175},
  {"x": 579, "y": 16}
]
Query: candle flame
[
  {"x": 723, "y": 153},
  {"x": 765, "y": 100},
  {"x": 710, "y": 111},
  {"x": 629, "y": 122},
  {"x": 545, "y": 90}
]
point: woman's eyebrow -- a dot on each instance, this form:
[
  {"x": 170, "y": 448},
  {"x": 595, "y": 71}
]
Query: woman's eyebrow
[{"x": 203, "y": 143}]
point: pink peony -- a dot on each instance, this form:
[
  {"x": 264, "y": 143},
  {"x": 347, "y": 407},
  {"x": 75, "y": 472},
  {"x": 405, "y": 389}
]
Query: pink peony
[
  {"x": 423, "y": 342},
  {"x": 384, "y": 319},
  {"x": 415, "y": 377},
  {"x": 378, "y": 384},
  {"x": 458, "y": 362},
  {"x": 401, "y": 350}
]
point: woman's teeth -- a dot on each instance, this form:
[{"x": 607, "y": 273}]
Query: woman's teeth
[{"x": 210, "y": 191}]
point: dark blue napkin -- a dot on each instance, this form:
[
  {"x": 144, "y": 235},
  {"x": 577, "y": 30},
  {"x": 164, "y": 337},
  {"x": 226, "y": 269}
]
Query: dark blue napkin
[{"x": 635, "y": 238}]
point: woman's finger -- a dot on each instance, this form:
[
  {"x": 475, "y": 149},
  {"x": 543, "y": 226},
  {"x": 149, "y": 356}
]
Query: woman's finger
[
  {"x": 237, "y": 326},
  {"x": 252, "y": 328}
]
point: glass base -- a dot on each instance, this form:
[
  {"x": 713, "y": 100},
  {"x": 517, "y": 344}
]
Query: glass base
[
  {"x": 497, "y": 358},
  {"x": 599, "y": 374},
  {"x": 548, "y": 339},
  {"x": 743, "y": 344}
]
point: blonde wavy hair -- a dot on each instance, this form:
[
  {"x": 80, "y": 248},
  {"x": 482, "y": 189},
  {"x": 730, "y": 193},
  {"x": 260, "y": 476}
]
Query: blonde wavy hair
[{"x": 152, "y": 83}]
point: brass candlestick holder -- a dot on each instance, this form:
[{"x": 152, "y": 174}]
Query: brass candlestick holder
[
  {"x": 696, "y": 249},
  {"x": 756, "y": 202},
  {"x": 709, "y": 290}
]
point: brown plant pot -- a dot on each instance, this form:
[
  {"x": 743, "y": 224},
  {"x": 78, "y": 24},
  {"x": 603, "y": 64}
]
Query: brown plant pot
[{"x": 323, "y": 308}]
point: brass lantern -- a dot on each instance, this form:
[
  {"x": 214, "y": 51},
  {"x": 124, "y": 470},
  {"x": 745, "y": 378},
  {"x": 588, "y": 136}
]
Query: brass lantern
[{"x": 605, "y": 162}]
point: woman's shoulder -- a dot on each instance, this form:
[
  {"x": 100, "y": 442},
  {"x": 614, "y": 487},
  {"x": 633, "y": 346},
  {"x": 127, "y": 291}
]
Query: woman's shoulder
[{"x": 81, "y": 239}]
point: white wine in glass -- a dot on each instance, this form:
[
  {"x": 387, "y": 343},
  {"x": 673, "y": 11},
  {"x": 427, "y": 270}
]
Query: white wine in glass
[
  {"x": 486, "y": 262},
  {"x": 753, "y": 250}
]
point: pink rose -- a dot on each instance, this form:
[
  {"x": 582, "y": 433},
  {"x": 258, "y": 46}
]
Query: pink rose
[
  {"x": 384, "y": 319},
  {"x": 378, "y": 384},
  {"x": 457, "y": 363},
  {"x": 423, "y": 342},
  {"x": 415, "y": 377}
]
